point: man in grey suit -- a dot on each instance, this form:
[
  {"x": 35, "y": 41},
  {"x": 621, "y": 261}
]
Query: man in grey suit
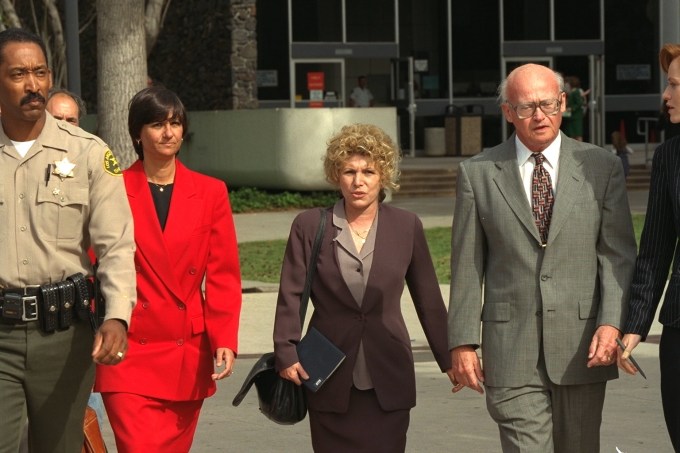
[{"x": 542, "y": 253}]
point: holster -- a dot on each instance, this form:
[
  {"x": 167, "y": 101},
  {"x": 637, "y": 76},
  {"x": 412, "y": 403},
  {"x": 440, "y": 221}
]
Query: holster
[{"x": 98, "y": 307}]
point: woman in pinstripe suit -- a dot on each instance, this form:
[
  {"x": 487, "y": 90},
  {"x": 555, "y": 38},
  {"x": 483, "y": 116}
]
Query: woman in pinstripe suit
[{"x": 657, "y": 246}]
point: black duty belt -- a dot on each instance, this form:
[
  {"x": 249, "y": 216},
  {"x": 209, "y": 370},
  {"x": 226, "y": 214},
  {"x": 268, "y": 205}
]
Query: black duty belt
[{"x": 53, "y": 305}]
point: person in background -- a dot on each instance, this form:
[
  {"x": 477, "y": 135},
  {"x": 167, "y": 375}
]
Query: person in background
[
  {"x": 658, "y": 251},
  {"x": 542, "y": 253},
  {"x": 68, "y": 195},
  {"x": 181, "y": 339},
  {"x": 576, "y": 102},
  {"x": 620, "y": 148},
  {"x": 368, "y": 250},
  {"x": 66, "y": 106},
  {"x": 361, "y": 96}
]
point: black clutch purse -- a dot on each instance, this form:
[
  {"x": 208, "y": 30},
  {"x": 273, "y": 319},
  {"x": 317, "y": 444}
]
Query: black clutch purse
[{"x": 281, "y": 400}]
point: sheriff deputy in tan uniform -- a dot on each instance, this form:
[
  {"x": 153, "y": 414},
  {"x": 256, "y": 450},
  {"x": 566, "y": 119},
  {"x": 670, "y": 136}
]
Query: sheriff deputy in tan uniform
[{"x": 61, "y": 191}]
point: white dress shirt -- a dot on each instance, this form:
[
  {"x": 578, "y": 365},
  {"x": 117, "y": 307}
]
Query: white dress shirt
[{"x": 526, "y": 163}]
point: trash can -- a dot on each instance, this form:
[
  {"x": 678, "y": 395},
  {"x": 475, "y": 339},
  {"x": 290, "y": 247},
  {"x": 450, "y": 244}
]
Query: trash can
[
  {"x": 435, "y": 144},
  {"x": 463, "y": 129}
]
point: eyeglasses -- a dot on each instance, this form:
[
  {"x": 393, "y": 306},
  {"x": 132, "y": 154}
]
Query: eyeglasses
[{"x": 547, "y": 106}]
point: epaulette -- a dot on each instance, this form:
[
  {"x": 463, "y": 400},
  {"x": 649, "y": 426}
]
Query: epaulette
[{"x": 76, "y": 131}]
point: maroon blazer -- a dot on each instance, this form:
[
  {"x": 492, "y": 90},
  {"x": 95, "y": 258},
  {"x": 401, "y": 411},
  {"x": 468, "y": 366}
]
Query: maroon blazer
[
  {"x": 175, "y": 330},
  {"x": 401, "y": 254}
]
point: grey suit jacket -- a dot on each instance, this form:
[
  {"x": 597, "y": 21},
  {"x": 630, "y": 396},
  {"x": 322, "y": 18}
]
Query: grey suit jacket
[{"x": 525, "y": 294}]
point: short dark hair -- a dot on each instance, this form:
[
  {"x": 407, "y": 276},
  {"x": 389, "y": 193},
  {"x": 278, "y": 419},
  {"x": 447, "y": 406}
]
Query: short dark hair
[
  {"x": 12, "y": 35},
  {"x": 82, "y": 110},
  {"x": 150, "y": 105}
]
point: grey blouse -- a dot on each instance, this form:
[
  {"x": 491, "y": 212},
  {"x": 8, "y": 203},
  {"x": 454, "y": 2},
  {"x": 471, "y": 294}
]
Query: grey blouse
[{"x": 355, "y": 267}]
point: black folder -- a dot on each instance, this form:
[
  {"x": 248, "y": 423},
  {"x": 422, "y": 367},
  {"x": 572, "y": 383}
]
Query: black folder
[{"x": 319, "y": 357}]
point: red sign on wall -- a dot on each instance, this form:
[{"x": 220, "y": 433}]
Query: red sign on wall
[{"x": 316, "y": 86}]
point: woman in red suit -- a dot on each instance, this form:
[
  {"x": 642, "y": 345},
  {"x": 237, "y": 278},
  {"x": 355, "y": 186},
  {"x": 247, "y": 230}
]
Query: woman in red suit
[
  {"x": 184, "y": 234},
  {"x": 369, "y": 249}
]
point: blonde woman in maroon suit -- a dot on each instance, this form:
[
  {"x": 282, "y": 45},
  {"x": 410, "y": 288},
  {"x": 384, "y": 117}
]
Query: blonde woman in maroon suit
[
  {"x": 368, "y": 251},
  {"x": 184, "y": 234}
]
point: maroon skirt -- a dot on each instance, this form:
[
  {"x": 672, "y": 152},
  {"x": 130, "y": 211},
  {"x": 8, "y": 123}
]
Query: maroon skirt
[{"x": 365, "y": 427}]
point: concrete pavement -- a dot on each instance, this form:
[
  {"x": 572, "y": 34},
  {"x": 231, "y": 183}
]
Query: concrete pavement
[{"x": 441, "y": 422}]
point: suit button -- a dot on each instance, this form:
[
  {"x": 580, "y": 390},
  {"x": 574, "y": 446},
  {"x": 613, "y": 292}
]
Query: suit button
[
  {"x": 180, "y": 342},
  {"x": 545, "y": 277},
  {"x": 181, "y": 306},
  {"x": 142, "y": 341},
  {"x": 539, "y": 313},
  {"x": 145, "y": 305},
  {"x": 192, "y": 271}
]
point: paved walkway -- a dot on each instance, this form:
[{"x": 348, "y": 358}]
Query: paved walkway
[{"x": 441, "y": 422}]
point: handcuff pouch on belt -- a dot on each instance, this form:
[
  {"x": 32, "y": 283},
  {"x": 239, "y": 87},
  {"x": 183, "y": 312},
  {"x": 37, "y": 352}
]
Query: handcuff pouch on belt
[
  {"x": 48, "y": 313},
  {"x": 84, "y": 295}
]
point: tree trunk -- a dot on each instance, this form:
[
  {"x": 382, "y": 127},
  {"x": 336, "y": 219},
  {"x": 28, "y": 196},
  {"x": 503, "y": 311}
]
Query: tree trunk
[
  {"x": 9, "y": 15},
  {"x": 58, "y": 44},
  {"x": 156, "y": 11},
  {"x": 121, "y": 64}
]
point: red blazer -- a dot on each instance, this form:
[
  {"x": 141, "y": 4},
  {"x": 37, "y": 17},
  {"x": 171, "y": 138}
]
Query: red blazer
[
  {"x": 175, "y": 330},
  {"x": 400, "y": 254}
]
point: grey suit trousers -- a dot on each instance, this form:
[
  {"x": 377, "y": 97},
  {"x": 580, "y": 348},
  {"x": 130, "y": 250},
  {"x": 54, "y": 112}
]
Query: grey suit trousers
[{"x": 543, "y": 417}]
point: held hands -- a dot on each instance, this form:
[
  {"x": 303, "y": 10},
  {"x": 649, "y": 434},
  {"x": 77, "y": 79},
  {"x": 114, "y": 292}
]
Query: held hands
[
  {"x": 294, "y": 373},
  {"x": 631, "y": 341},
  {"x": 466, "y": 369},
  {"x": 603, "y": 349},
  {"x": 226, "y": 357},
  {"x": 110, "y": 343}
]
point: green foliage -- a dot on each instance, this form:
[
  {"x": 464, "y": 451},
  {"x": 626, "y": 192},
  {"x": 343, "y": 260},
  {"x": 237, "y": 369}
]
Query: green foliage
[
  {"x": 439, "y": 242},
  {"x": 250, "y": 199},
  {"x": 638, "y": 223},
  {"x": 261, "y": 261}
]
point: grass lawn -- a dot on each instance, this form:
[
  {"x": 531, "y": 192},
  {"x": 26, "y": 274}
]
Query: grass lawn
[{"x": 261, "y": 261}]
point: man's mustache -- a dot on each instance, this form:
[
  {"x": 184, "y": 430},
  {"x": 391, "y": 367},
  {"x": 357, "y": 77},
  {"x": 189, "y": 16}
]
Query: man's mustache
[{"x": 30, "y": 97}]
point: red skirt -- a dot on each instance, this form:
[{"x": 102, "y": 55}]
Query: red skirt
[{"x": 149, "y": 425}]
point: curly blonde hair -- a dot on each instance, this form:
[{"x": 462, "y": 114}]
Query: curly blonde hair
[{"x": 365, "y": 140}]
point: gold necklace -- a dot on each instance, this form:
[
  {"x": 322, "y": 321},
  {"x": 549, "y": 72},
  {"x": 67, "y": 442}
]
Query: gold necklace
[{"x": 363, "y": 238}]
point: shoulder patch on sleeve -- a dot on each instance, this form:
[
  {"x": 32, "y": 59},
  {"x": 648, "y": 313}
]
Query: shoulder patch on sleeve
[{"x": 111, "y": 165}]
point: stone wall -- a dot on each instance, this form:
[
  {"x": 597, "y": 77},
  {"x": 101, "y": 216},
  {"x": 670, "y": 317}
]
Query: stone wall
[{"x": 242, "y": 24}]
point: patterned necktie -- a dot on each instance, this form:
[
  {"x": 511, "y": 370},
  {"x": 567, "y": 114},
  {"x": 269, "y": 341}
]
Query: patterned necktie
[{"x": 542, "y": 198}]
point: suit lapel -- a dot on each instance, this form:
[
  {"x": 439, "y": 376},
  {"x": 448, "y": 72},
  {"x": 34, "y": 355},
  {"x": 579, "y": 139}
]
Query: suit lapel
[
  {"x": 509, "y": 182},
  {"x": 148, "y": 234},
  {"x": 569, "y": 184},
  {"x": 183, "y": 214}
]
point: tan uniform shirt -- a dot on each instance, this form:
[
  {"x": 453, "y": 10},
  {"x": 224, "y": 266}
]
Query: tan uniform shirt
[{"x": 48, "y": 221}]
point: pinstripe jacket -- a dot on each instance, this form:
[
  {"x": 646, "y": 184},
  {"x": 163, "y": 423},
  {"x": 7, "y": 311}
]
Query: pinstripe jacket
[{"x": 658, "y": 246}]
